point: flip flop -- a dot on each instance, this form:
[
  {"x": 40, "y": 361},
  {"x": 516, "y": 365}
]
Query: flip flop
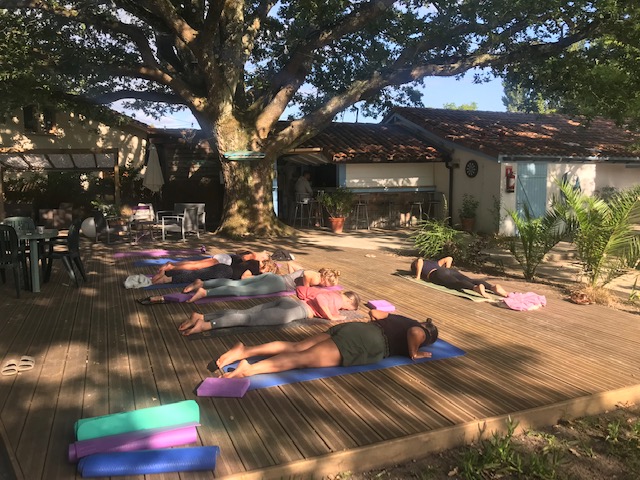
[
  {"x": 10, "y": 367},
  {"x": 150, "y": 301},
  {"x": 26, "y": 363}
]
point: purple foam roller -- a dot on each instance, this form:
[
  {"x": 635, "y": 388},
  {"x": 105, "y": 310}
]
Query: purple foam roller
[{"x": 138, "y": 440}]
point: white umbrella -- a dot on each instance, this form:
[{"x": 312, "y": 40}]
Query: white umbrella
[{"x": 153, "y": 179}]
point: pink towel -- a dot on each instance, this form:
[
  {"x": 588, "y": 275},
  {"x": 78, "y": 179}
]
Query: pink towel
[{"x": 525, "y": 301}]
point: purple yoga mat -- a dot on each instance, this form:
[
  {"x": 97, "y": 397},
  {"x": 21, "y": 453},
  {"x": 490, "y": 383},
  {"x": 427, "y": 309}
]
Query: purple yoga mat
[
  {"x": 183, "y": 297},
  {"x": 223, "y": 387},
  {"x": 138, "y": 440},
  {"x": 156, "y": 253}
]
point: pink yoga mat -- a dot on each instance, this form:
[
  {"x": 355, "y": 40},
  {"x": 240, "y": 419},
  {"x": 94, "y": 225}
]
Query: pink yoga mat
[{"x": 138, "y": 440}]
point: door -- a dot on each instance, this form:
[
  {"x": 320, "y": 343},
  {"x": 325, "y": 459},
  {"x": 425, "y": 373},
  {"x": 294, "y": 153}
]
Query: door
[{"x": 531, "y": 188}]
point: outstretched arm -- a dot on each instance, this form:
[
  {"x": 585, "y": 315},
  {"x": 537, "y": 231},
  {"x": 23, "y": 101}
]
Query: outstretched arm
[
  {"x": 446, "y": 262},
  {"x": 419, "y": 265},
  {"x": 416, "y": 336}
]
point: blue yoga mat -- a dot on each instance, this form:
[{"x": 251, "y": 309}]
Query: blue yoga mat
[
  {"x": 162, "y": 261},
  {"x": 144, "y": 462},
  {"x": 439, "y": 350}
]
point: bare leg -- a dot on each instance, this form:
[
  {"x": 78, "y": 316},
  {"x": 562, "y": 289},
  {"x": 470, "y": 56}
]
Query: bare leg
[
  {"x": 481, "y": 290},
  {"x": 200, "y": 293},
  {"x": 195, "y": 324},
  {"x": 240, "y": 351},
  {"x": 195, "y": 285},
  {"x": 323, "y": 354}
]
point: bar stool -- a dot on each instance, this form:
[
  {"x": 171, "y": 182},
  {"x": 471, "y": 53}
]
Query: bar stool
[
  {"x": 416, "y": 204},
  {"x": 362, "y": 211},
  {"x": 433, "y": 204},
  {"x": 392, "y": 213},
  {"x": 302, "y": 212}
]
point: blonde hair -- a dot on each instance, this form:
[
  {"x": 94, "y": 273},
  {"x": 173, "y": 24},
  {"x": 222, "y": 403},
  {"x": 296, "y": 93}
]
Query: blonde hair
[
  {"x": 269, "y": 266},
  {"x": 329, "y": 276}
]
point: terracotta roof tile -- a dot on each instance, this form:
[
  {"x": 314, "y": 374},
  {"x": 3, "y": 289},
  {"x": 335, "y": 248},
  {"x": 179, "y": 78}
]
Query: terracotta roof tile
[
  {"x": 369, "y": 142},
  {"x": 501, "y": 133}
]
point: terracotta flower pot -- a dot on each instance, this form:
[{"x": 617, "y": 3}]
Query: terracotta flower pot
[
  {"x": 468, "y": 224},
  {"x": 337, "y": 224}
]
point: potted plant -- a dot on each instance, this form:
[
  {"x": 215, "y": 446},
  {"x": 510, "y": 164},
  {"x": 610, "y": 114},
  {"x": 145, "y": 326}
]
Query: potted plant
[
  {"x": 468, "y": 211},
  {"x": 338, "y": 204}
]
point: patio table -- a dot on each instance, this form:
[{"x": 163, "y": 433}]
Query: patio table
[{"x": 33, "y": 239}]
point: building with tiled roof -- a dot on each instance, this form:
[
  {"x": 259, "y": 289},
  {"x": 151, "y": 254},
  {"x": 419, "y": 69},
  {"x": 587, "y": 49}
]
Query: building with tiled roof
[{"x": 507, "y": 160}]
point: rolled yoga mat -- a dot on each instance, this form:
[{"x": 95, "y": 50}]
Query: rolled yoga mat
[
  {"x": 186, "y": 412},
  {"x": 144, "y": 462},
  {"x": 139, "y": 440}
]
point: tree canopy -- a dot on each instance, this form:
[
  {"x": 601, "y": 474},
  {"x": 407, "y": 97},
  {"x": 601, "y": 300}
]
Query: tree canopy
[
  {"x": 238, "y": 65},
  {"x": 595, "y": 77}
]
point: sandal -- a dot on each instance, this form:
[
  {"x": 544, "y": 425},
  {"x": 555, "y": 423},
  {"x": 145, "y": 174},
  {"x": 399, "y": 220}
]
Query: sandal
[
  {"x": 26, "y": 363},
  {"x": 10, "y": 367},
  {"x": 150, "y": 300}
]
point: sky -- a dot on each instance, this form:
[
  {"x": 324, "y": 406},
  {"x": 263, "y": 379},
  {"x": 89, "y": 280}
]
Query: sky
[{"x": 438, "y": 91}]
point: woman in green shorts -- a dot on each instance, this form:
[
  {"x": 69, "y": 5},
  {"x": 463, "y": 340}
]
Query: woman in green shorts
[{"x": 346, "y": 344}]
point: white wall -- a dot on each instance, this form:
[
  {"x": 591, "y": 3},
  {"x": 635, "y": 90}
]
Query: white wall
[
  {"x": 390, "y": 175},
  {"x": 486, "y": 187},
  {"x": 74, "y": 131}
]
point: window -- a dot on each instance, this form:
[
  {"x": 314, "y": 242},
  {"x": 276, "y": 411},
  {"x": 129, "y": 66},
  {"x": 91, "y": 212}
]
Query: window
[{"x": 36, "y": 121}]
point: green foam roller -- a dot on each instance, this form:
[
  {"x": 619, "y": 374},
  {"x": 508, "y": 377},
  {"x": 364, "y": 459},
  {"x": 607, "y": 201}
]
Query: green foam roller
[{"x": 174, "y": 414}]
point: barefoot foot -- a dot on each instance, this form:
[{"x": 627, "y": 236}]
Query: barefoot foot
[
  {"x": 195, "y": 324},
  {"x": 480, "y": 289},
  {"x": 197, "y": 284},
  {"x": 200, "y": 293},
  {"x": 242, "y": 370},
  {"x": 499, "y": 290},
  {"x": 233, "y": 355}
]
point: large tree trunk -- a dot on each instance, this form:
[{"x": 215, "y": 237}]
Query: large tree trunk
[{"x": 248, "y": 201}]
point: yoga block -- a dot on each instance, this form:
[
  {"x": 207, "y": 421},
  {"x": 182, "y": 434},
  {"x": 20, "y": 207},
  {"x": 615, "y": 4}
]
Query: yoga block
[
  {"x": 223, "y": 387},
  {"x": 382, "y": 305}
]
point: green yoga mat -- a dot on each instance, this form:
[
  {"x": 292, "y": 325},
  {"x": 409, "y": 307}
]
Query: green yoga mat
[
  {"x": 180, "y": 413},
  {"x": 469, "y": 294}
]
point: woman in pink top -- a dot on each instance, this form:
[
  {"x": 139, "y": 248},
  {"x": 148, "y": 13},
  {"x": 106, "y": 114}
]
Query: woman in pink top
[{"x": 311, "y": 302}]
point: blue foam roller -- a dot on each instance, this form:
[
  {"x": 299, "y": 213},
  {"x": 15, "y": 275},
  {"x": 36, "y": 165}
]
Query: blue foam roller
[{"x": 144, "y": 462}]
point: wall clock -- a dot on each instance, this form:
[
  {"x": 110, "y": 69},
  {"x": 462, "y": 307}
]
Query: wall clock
[{"x": 471, "y": 168}]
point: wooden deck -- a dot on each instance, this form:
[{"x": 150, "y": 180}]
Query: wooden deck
[{"x": 98, "y": 351}]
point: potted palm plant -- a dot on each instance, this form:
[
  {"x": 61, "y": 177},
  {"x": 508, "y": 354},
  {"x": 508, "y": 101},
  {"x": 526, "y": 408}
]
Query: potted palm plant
[
  {"x": 468, "y": 211},
  {"x": 338, "y": 204}
]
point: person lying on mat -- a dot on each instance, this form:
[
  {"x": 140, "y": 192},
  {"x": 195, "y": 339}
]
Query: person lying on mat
[
  {"x": 263, "y": 284},
  {"x": 346, "y": 344},
  {"x": 310, "y": 302},
  {"x": 199, "y": 268},
  {"x": 236, "y": 270},
  {"x": 441, "y": 273}
]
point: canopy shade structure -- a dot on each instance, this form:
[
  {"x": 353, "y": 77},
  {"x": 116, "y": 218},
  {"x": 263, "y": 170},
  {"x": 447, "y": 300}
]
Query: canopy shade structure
[{"x": 60, "y": 160}]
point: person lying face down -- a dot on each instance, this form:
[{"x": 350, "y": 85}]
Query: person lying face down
[
  {"x": 441, "y": 273},
  {"x": 264, "y": 284},
  {"x": 310, "y": 302},
  {"x": 170, "y": 269},
  {"x": 345, "y": 344},
  {"x": 235, "y": 269}
]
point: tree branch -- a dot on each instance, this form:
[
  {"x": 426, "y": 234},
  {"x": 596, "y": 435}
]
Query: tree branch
[{"x": 147, "y": 96}]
